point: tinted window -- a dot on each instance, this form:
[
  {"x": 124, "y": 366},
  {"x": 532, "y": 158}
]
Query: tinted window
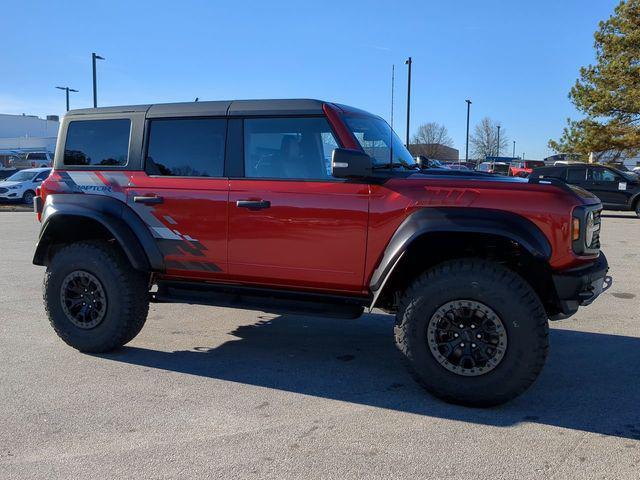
[
  {"x": 192, "y": 147},
  {"x": 288, "y": 148},
  {"x": 97, "y": 142},
  {"x": 36, "y": 156},
  {"x": 549, "y": 172},
  {"x": 576, "y": 175},
  {"x": 600, "y": 174},
  {"x": 42, "y": 175}
]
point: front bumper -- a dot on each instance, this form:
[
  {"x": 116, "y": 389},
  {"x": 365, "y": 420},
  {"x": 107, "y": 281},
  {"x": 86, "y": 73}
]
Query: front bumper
[{"x": 581, "y": 286}]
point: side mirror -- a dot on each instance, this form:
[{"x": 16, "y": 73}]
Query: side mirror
[{"x": 347, "y": 163}]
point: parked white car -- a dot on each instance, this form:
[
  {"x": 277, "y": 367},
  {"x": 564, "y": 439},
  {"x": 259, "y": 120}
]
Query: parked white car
[{"x": 21, "y": 186}]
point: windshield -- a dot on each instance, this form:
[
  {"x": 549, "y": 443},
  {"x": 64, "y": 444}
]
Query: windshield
[
  {"x": 375, "y": 138},
  {"x": 22, "y": 176}
]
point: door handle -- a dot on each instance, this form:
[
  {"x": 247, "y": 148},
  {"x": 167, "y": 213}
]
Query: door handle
[
  {"x": 148, "y": 200},
  {"x": 253, "y": 204}
]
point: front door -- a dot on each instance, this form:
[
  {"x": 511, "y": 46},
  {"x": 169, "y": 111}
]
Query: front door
[
  {"x": 608, "y": 186},
  {"x": 290, "y": 223},
  {"x": 182, "y": 195}
]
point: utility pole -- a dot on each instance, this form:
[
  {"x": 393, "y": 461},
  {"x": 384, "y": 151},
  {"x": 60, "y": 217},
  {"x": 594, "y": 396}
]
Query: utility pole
[
  {"x": 67, "y": 90},
  {"x": 408, "y": 62},
  {"x": 498, "y": 146},
  {"x": 466, "y": 154},
  {"x": 95, "y": 57}
]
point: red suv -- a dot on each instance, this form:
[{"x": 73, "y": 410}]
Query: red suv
[{"x": 310, "y": 207}]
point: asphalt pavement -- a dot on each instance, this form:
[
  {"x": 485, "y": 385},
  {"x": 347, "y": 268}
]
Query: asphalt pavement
[{"x": 217, "y": 393}]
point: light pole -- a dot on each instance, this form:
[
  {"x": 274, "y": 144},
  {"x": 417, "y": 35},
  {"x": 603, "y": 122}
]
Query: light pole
[
  {"x": 408, "y": 62},
  {"x": 498, "y": 146},
  {"x": 466, "y": 154},
  {"x": 67, "y": 90},
  {"x": 522, "y": 156},
  {"x": 514, "y": 149},
  {"x": 95, "y": 57}
]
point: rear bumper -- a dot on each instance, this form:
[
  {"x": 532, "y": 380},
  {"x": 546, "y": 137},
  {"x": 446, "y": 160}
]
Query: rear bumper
[{"x": 580, "y": 286}]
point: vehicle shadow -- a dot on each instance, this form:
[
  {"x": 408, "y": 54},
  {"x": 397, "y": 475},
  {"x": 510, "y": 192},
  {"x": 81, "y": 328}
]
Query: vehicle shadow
[
  {"x": 631, "y": 216},
  {"x": 590, "y": 382}
]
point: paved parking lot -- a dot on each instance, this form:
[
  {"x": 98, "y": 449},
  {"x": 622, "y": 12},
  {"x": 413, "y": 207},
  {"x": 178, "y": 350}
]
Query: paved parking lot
[{"x": 211, "y": 392}]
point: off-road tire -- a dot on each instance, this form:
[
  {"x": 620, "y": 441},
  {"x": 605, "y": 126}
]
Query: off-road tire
[
  {"x": 637, "y": 208},
  {"x": 509, "y": 296},
  {"x": 27, "y": 197},
  {"x": 126, "y": 292}
]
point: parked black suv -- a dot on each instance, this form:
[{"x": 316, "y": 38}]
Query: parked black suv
[{"x": 616, "y": 190}]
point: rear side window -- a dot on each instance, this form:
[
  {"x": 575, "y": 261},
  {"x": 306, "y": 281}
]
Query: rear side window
[
  {"x": 36, "y": 156},
  {"x": 191, "y": 147},
  {"x": 288, "y": 148},
  {"x": 576, "y": 175},
  {"x": 97, "y": 143}
]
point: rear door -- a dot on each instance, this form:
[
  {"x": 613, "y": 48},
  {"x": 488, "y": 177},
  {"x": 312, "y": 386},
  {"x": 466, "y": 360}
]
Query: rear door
[
  {"x": 182, "y": 194},
  {"x": 290, "y": 223}
]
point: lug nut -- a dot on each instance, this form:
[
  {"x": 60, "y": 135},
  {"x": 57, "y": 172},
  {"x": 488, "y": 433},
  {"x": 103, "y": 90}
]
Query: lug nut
[
  {"x": 462, "y": 345},
  {"x": 461, "y": 325},
  {"x": 473, "y": 325},
  {"x": 456, "y": 335},
  {"x": 478, "y": 336},
  {"x": 473, "y": 345}
]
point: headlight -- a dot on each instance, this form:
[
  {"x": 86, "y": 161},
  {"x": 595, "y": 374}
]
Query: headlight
[{"x": 589, "y": 230}]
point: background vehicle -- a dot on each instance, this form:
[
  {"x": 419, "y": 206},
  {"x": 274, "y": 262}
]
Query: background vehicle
[
  {"x": 230, "y": 203},
  {"x": 22, "y": 184},
  {"x": 425, "y": 162},
  {"x": 457, "y": 166},
  {"x": 616, "y": 190},
  {"x": 523, "y": 168},
  {"x": 33, "y": 160},
  {"x": 499, "y": 168}
]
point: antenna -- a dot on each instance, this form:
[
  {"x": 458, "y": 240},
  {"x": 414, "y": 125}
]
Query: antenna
[{"x": 393, "y": 77}]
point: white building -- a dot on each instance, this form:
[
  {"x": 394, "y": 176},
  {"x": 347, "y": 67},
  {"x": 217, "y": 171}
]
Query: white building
[{"x": 28, "y": 132}]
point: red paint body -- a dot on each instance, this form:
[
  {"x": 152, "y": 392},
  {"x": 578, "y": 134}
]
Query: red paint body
[{"x": 327, "y": 236}]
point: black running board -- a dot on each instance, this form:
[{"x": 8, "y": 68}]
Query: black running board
[{"x": 265, "y": 300}]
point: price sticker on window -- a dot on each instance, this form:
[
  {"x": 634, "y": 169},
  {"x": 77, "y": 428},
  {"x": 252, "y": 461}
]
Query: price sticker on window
[{"x": 622, "y": 186}]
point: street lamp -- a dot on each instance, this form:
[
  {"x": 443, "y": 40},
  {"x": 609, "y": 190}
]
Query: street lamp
[
  {"x": 408, "y": 62},
  {"x": 498, "y": 146},
  {"x": 67, "y": 90},
  {"x": 95, "y": 57},
  {"x": 466, "y": 155},
  {"x": 514, "y": 149}
]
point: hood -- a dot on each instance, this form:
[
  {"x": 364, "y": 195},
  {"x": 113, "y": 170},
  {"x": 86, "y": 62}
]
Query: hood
[{"x": 5, "y": 184}]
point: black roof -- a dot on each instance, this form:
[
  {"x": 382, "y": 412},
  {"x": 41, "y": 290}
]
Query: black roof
[{"x": 217, "y": 108}]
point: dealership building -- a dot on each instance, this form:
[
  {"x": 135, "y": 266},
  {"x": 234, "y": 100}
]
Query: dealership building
[{"x": 28, "y": 133}]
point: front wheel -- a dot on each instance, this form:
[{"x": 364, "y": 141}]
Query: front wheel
[
  {"x": 27, "y": 197},
  {"x": 472, "y": 332},
  {"x": 95, "y": 300}
]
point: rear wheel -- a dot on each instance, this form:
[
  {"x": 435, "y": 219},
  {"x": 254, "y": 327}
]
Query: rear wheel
[
  {"x": 637, "y": 209},
  {"x": 472, "y": 332},
  {"x": 95, "y": 300}
]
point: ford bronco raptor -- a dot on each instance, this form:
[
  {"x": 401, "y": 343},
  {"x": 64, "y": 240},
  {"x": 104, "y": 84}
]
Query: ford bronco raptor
[{"x": 310, "y": 207}]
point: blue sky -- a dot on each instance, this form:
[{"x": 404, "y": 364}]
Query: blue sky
[{"x": 516, "y": 60}]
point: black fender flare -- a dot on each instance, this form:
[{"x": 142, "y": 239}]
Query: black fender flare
[
  {"x": 115, "y": 216},
  {"x": 458, "y": 220}
]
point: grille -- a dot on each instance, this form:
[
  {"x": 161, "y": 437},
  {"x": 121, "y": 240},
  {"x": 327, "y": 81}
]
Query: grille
[
  {"x": 4, "y": 190},
  {"x": 595, "y": 243}
]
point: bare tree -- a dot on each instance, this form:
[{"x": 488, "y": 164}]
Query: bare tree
[
  {"x": 484, "y": 140},
  {"x": 430, "y": 139}
]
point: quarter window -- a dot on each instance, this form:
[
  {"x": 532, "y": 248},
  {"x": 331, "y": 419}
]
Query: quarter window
[
  {"x": 600, "y": 174},
  {"x": 97, "y": 142},
  {"x": 295, "y": 148},
  {"x": 191, "y": 147}
]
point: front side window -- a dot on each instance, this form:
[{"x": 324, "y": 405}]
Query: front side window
[
  {"x": 379, "y": 142},
  {"x": 189, "y": 147},
  {"x": 97, "y": 142},
  {"x": 42, "y": 176},
  {"x": 288, "y": 148},
  {"x": 600, "y": 174},
  {"x": 21, "y": 176}
]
